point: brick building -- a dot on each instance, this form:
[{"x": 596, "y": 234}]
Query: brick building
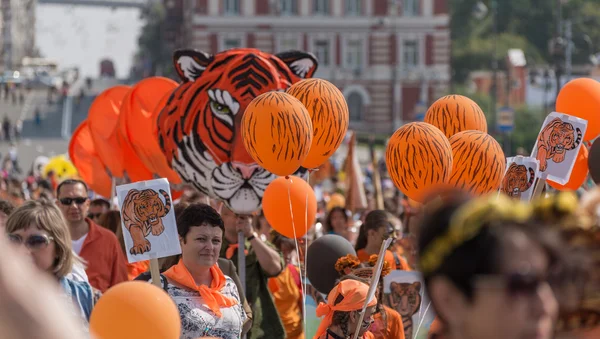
[{"x": 385, "y": 55}]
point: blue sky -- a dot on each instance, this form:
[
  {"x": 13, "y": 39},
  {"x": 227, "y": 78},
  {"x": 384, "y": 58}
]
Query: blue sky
[{"x": 82, "y": 36}]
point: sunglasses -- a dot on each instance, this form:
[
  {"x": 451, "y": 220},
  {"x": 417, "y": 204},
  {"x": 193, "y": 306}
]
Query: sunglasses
[
  {"x": 34, "y": 242},
  {"x": 69, "y": 201},
  {"x": 515, "y": 284}
]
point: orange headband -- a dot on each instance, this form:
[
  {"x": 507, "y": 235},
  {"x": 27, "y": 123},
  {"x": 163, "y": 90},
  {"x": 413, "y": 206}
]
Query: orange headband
[{"x": 355, "y": 294}]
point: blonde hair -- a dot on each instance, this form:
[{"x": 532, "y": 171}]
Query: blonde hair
[{"x": 46, "y": 215}]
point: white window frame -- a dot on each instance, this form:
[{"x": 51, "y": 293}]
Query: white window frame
[
  {"x": 227, "y": 36},
  {"x": 364, "y": 95},
  {"x": 331, "y": 37},
  {"x": 292, "y": 4},
  {"x": 279, "y": 38},
  {"x": 352, "y": 7},
  {"x": 227, "y": 9},
  {"x": 315, "y": 5},
  {"x": 420, "y": 39},
  {"x": 346, "y": 39}
]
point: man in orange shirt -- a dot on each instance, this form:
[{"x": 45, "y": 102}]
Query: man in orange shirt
[{"x": 106, "y": 264}]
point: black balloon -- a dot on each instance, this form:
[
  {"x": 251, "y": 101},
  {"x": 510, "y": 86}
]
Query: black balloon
[
  {"x": 594, "y": 161},
  {"x": 320, "y": 261}
]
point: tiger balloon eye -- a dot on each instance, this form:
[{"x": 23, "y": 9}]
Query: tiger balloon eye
[
  {"x": 478, "y": 162},
  {"x": 418, "y": 158},
  {"x": 329, "y": 114},
  {"x": 456, "y": 113}
]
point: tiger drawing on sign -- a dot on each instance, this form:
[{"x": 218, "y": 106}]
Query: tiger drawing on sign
[
  {"x": 555, "y": 140},
  {"x": 142, "y": 214},
  {"x": 200, "y": 124},
  {"x": 515, "y": 181},
  {"x": 405, "y": 298}
]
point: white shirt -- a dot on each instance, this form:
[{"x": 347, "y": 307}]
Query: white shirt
[
  {"x": 78, "y": 273},
  {"x": 78, "y": 244}
]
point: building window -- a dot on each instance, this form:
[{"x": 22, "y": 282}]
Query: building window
[
  {"x": 321, "y": 7},
  {"x": 353, "y": 7},
  {"x": 288, "y": 7},
  {"x": 230, "y": 43},
  {"x": 355, "y": 106},
  {"x": 288, "y": 44},
  {"x": 411, "y": 7},
  {"x": 322, "y": 52},
  {"x": 231, "y": 7},
  {"x": 354, "y": 54},
  {"x": 410, "y": 53}
]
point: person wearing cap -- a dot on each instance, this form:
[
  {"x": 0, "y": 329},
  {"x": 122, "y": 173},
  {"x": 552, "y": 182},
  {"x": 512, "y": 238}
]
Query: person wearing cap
[{"x": 341, "y": 313}]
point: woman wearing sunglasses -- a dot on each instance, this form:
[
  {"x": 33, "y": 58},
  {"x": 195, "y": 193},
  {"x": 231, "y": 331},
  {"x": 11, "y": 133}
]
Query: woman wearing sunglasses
[
  {"x": 486, "y": 268},
  {"x": 39, "y": 231}
]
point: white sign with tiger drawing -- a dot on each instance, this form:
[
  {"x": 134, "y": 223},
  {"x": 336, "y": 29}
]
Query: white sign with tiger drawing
[
  {"x": 404, "y": 292},
  {"x": 557, "y": 146},
  {"x": 519, "y": 179},
  {"x": 148, "y": 220}
]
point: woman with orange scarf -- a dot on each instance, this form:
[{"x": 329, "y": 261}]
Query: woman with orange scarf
[
  {"x": 208, "y": 301},
  {"x": 341, "y": 313}
]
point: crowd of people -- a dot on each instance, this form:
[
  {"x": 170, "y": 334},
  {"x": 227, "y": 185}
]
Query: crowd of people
[{"x": 486, "y": 262}]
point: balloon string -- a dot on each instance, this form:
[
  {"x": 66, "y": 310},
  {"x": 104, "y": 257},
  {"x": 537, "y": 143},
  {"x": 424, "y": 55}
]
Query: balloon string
[{"x": 297, "y": 247}]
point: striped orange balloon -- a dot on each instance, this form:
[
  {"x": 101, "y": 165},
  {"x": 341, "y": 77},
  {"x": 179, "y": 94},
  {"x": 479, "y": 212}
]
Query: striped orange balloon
[
  {"x": 277, "y": 132},
  {"x": 456, "y": 113},
  {"x": 478, "y": 162},
  {"x": 418, "y": 158},
  {"x": 329, "y": 114}
]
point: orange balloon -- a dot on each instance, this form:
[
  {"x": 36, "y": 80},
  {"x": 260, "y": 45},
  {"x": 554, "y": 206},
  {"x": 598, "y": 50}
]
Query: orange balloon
[
  {"x": 103, "y": 117},
  {"x": 157, "y": 162},
  {"x": 581, "y": 98},
  {"x": 134, "y": 121},
  {"x": 89, "y": 165},
  {"x": 456, "y": 113},
  {"x": 290, "y": 206},
  {"x": 135, "y": 309},
  {"x": 418, "y": 157},
  {"x": 478, "y": 162},
  {"x": 277, "y": 132},
  {"x": 148, "y": 98},
  {"x": 578, "y": 174},
  {"x": 329, "y": 115}
]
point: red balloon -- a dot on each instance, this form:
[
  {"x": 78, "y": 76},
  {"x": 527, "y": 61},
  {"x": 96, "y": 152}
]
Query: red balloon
[{"x": 578, "y": 175}]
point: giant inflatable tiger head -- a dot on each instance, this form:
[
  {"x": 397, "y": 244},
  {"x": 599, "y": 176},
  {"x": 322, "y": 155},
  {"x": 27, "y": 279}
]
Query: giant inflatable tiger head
[{"x": 199, "y": 128}]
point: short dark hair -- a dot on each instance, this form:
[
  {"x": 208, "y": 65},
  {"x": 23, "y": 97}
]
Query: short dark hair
[
  {"x": 100, "y": 202},
  {"x": 6, "y": 207},
  {"x": 196, "y": 215},
  {"x": 70, "y": 182}
]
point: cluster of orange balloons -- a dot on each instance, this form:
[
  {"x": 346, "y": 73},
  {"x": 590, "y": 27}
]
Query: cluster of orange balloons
[
  {"x": 115, "y": 140},
  {"x": 284, "y": 131},
  {"x": 451, "y": 148}
]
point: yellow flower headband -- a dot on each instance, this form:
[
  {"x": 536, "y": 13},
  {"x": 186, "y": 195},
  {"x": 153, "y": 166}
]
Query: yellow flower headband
[{"x": 467, "y": 222}]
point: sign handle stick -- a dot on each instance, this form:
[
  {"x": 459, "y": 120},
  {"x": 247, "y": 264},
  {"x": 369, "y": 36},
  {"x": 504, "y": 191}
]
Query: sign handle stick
[{"x": 155, "y": 272}]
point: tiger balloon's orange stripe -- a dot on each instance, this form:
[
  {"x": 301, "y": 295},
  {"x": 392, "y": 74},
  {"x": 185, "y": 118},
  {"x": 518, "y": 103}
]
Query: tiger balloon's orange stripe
[
  {"x": 329, "y": 114},
  {"x": 277, "y": 132},
  {"x": 479, "y": 163},
  {"x": 418, "y": 157},
  {"x": 456, "y": 113}
]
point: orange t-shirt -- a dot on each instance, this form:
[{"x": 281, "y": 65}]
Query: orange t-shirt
[
  {"x": 288, "y": 297},
  {"x": 436, "y": 330},
  {"x": 367, "y": 335},
  {"x": 394, "y": 328},
  {"x": 363, "y": 256}
]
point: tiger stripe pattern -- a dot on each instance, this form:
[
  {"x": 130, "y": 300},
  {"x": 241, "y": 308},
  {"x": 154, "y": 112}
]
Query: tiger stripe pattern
[
  {"x": 290, "y": 132},
  {"x": 332, "y": 112},
  {"x": 478, "y": 162},
  {"x": 416, "y": 156},
  {"x": 456, "y": 113},
  {"x": 199, "y": 128}
]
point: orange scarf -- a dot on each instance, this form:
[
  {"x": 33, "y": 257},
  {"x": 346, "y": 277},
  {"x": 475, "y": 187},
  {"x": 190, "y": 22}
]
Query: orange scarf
[
  {"x": 211, "y": 295},
  {"x": 231, "y": 250},
  {"x": 354, "y": 293}
]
